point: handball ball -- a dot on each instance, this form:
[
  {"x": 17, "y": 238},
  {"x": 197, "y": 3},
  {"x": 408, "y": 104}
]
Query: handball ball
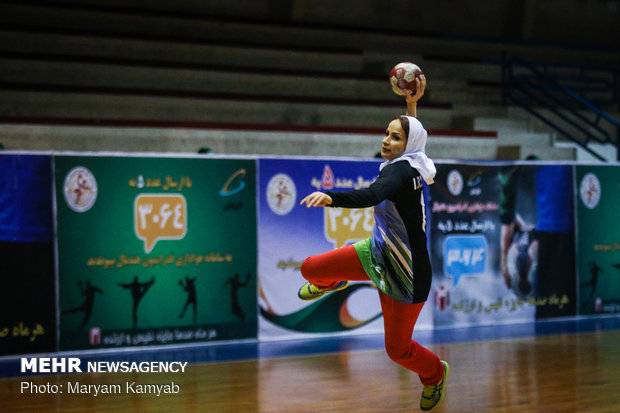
[{"x": 402, "y": 77}]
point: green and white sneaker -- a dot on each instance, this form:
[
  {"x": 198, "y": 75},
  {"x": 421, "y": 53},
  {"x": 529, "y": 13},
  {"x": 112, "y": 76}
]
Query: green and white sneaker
[
  {"x": 433, "y": 395},
  {"x": 310, "y": 291}
]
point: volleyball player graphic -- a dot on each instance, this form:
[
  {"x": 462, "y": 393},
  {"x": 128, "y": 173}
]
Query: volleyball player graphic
[
  {"x": 235, "y": 284},
  {"x": 88, "y": 291}
]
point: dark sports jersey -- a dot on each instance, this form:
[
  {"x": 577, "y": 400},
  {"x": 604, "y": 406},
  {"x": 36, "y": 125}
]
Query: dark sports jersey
[{"x": 399, "y": 262}]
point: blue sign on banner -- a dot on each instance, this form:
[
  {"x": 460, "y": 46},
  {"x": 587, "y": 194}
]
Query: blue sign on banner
[{"x": 464, "y": 255}]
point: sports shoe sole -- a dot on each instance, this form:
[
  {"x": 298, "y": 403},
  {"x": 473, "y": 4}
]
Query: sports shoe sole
[{"x": 317, "y": 296}]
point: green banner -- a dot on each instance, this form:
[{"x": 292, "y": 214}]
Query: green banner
[
  {"x": 155, "y": 250},
  {"x": 598, "y": 244}
]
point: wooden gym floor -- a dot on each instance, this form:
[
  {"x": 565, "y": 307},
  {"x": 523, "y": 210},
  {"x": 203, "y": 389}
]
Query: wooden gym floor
[{"x": 548, "y": 371}]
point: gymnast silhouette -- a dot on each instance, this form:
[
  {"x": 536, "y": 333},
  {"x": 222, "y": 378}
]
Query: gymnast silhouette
[
  {"x": 190, "y": 288},
  {"x": 88, "y": 291},
  {"x": 137, "y": 292},
  {"x": 235, "y": 284}
]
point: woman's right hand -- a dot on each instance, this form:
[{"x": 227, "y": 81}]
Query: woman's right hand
[
  {"x": 412, "y": 98},
  {"x": 316, "y": 199},
  {"x": 420, "y": 87}
]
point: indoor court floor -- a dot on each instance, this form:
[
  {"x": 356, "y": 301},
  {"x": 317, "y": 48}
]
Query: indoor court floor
[{"x": 570, "y": 365}]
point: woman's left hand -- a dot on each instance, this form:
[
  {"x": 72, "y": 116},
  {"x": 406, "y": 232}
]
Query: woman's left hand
[{"x": 316, "y": 199}]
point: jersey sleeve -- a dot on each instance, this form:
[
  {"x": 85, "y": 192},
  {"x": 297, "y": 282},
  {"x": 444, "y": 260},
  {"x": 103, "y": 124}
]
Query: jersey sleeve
[{"x": 386, "y": 186}]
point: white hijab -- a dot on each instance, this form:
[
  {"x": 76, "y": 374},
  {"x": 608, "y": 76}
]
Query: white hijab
[{"x": 414, "y": 151}]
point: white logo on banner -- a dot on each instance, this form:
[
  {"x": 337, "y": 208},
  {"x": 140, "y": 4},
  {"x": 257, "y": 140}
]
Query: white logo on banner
[
  {"x": 80, "y": 189},
  {"x": 590, "y": 190},
  {"x": 281, "y": 194},
  {"x": 455, "y": 182}
]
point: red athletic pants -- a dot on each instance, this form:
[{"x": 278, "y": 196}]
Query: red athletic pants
[{"x": 398, "y": 318}]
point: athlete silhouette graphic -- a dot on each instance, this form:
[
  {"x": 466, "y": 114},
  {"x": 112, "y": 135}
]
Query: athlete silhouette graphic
[
  {"x": 594, "y": 270},
  {"x": 190, "y": 288},
  {"x": 137, "y": 292},
  {"x": 235, "y": 284},
  {"x": 88, "y": 291}
]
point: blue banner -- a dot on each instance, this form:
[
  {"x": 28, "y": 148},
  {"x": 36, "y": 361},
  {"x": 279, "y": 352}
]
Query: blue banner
[{"x": 502, "y": 243}]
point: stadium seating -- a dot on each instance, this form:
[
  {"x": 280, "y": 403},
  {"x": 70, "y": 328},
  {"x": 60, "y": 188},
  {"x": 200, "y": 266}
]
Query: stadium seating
[{"x": 109, "y": 77}]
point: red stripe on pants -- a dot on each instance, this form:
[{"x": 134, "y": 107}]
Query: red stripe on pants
[{"x": 398, "y": 318}]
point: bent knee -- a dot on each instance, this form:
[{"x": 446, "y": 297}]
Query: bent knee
[
  {"x": 309, "y": 268},
  {"x": 398, "y": 352}
]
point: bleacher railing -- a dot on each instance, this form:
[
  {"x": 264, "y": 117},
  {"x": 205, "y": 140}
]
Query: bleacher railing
[{"x": 565, "y": 98}]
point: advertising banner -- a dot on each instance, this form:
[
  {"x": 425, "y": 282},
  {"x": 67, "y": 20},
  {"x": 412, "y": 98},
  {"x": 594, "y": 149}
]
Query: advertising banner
[
  {"x": 598, "y": 243},
  {"x": 289, "y": 233},
  {"x": 27, "y": 299},
  {"x": 155, "y": 250},
  {"x": 495, "y": 243}
]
